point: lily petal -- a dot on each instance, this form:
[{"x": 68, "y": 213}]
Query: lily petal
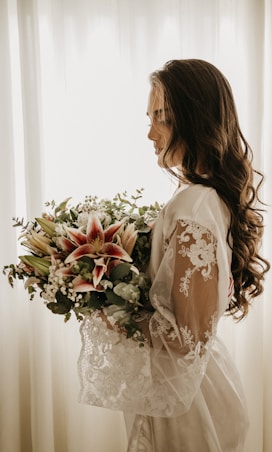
[
  {"x": 99, "y": 270},
  {"x": 129, "y": 237},
  {"x": 76, "y": 236},
  {"x": 113, "y": 250},
  {"x": 111, "y": 230},
  {"x": 65, "y": 271},
  {"x": 83, "y": 250},
  {"x": 94, "y": 229},
  {"x": 81, "y": 285},
  {"x": 65, "y": 244}
]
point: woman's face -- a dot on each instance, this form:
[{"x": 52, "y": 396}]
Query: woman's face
[{"x": 161, "y": 130}]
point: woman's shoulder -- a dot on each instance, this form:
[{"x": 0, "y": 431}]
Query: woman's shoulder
[
  {"x": 191, "y": 198},
  {"x": 197, "y": 203}
]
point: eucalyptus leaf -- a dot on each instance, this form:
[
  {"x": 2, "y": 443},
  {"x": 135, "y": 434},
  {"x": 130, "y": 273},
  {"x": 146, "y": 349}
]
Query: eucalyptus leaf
[
  {"x": 62, "y": 305},
  {"x": 119, "y": 272},
  {"x": 62, "y": 206},
  {"x": 96, "y": 300},
  {"x": 112, "y": 298},
  {"x": 58, "y": 308}
]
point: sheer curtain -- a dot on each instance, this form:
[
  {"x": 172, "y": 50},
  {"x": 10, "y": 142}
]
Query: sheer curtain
[{"x": 73, "y": 89}]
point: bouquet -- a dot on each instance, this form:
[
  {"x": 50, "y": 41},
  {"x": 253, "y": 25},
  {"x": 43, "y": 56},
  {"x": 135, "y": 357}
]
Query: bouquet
[{"x": 89, "y": 257}]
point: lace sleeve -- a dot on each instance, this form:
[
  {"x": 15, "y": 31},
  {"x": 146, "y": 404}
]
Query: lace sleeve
[
  {"x": 160, "y": 380},
  {"x": 186, "y": 297}
]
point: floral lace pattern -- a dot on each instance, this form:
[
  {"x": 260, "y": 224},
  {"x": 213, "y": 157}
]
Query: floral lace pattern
[
  {"x": 202, "y": 252},
  {"x": 116, "y": 373},
  {"x": 196, "y": 350},
  {"x": 163, "y": 379}
]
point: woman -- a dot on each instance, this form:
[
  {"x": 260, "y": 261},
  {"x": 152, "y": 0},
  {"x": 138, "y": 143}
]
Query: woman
[{"x": 183, "y": 388}]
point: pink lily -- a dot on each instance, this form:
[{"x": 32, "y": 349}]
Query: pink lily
[
  {"x": 80, "y": 284},
  {"x": 99, "y": 270},
  {"x": 96, "y": 242}
]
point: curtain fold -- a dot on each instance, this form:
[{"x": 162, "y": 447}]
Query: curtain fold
[
  {"x": 9, "y": 408},
  {"x": 73, "y": 89},
  {"x": 30, "y": 67},
  {"x": 267, "y": 165}
]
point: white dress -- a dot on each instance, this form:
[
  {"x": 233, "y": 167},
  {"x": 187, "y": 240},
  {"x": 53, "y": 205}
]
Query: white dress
[{"x": 183, "y": 389}]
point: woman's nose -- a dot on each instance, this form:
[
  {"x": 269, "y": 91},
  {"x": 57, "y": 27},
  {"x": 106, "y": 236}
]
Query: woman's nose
[{"x": 152, "y": 134}]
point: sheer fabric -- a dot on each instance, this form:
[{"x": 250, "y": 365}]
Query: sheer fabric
[
  {"x": 73, "y": 90},
  {"x": 184, "y": 379}
]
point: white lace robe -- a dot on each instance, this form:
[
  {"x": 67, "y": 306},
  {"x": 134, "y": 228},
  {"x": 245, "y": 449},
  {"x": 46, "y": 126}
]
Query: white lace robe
[{"x": 183, "y": 387}]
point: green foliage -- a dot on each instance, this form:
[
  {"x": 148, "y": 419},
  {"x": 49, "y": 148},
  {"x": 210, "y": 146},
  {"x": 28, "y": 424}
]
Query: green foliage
[
  {"x": 113, "y": 285},
  {"x": 62, "y": 305}
]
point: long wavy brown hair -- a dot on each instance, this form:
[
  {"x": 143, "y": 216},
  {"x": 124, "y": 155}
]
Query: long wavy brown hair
[{"x": 202, "y": 113}]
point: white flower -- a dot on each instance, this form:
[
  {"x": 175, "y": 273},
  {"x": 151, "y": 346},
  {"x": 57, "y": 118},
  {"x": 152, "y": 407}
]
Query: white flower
[{"x": 82, "y": 219}]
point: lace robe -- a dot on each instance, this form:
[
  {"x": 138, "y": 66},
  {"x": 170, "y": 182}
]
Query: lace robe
[{"x": 183, "y": 387}]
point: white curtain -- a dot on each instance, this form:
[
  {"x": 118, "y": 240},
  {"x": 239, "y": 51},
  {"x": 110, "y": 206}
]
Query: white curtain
[{"x": 73, "y": 90}]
